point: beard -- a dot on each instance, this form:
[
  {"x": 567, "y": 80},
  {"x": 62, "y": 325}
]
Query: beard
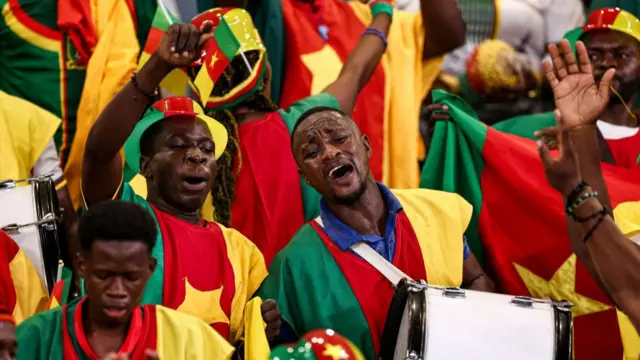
[{"x": 351, "y": 198}]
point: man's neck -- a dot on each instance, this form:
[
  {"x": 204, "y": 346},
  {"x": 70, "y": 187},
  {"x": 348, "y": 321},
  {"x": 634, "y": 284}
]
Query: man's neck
[
  {"x": 367, "y": 215},
  {"x": 102, "y": 339},
  {"x": 192, "y": 217},
  {"x": 618, "y": 114}
]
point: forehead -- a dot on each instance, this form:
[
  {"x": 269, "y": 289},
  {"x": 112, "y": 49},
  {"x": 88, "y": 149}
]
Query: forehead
[
  {"x": 608, "y": 38},
  {"x": 117, "y": 251},
  {"x": 186, "y": 125},
  {"x": 325, "y": 122}
]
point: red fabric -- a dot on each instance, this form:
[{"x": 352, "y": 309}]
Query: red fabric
[
  {"x": 155, "y": 35},
  {"x": 302, "y": 37},
  {"x": 74, "y": 18},
  {"x": 8, "y": 250},
  {"x": 268, "y": 205},
  {"x": 626, "y": 151},
  {"x": 373, "y": 291},
  {"x": 540, "y": 242},
  {"x": 142, "y": 334},
  {"x": 32, "y": 24},
  {"x": 602, "y": 18},
  {"x": 198, "y": 254}
]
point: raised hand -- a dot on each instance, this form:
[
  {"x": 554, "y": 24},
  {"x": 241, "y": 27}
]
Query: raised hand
[
  {"x": 182, "y": 44},
  {"x": 576, "y": 94},
  {"x": 563, "y": 172}
]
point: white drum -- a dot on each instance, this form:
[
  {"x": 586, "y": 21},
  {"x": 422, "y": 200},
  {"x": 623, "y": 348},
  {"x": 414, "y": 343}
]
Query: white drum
[
  {"x": 30, "y": 215},
  {"x": 435, "y": 323}
]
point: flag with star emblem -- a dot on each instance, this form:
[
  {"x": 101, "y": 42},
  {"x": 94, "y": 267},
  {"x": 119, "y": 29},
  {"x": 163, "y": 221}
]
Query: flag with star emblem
[
  {"x": 58, "y": 334},
  {"x": 219, "y": 52},
  {"x": 21, "y": 290},
  {"x": 518, "y": 225}
]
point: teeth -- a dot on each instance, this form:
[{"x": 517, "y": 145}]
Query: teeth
[{"x": 334, "y": 170}]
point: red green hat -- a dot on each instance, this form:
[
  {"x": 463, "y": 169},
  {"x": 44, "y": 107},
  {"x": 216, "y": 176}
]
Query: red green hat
[
  {"x": 318, "y": 345},
  {"x": 165, "y": 109},
  {"x": 607, "y": 19},
  {"x": 242, "y": 27}
]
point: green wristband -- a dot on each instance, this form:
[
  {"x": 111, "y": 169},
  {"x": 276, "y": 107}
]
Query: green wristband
[{"x": 381, "y": 7}]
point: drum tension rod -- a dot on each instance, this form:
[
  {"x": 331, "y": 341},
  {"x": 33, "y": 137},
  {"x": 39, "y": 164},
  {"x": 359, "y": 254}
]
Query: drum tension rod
[{"x": 16, "y": 227}]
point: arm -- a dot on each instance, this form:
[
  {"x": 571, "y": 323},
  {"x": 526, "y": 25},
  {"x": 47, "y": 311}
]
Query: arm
[
  {"x": 360, "y": 65},
  {"x": 444, "y": 28},
  {"x": 102, "y": 164},
  {"x": 474, "y": 277}
]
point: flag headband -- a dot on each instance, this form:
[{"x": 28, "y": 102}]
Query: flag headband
[
  {"x": 242, "y": 27},
  {"x": 165, "y": 109}
]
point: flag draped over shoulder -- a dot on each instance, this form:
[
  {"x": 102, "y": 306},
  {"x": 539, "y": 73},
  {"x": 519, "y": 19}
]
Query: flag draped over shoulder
[
  {"x": 113, "y": 61},
  {"x": 22, "y": 292},
  {"x": 518, "y": 226},
  {"x": 177, "y": 80}
]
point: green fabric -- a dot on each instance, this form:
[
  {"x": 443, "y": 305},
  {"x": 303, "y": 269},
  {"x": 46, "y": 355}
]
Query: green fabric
[
  {"x": 452, "y": 153},
  {"x": 160, "y": 20},
  {"x": 225, "y": 39},
  {"x": 312, "y": 293},
  {"x": 525, "y": 125},
  {"x": 310, "y": 197},
  {"x": 132, "y": 145},
  {"x": 145, "y": 13},
  {"x": 26, "y": 68},
  {"x": 153, "y": 290},
  {"x": 40, "y": 336}
]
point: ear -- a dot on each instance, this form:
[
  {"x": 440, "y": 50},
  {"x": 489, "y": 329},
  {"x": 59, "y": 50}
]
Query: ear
[
  {"x": 78, "y": 261},
  {"x": 145, "y": 166},
  {"x": 367, "y": 145},
  {"x": 152, "y": 265}
]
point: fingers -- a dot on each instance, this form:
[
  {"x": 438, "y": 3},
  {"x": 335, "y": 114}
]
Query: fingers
[
  {"x": 605, "y": 83},
  {"x": 548, "y": 136},
  {"x": 549, "y": 73},
  {"x": 558, "y": 62},
  {"x": 206, "y": 33},
  {"x": 436, "y": 112},
  {"x": 192, "y": 47},
  {"x": 207, "y": 27},
  {"x": 583, "y": 58},
  {"x": 272, "y": 316},
  {"x": 545, "y": 154},
  {"x": 569, "y": 57},
  {"x": 268, "y": 305}
]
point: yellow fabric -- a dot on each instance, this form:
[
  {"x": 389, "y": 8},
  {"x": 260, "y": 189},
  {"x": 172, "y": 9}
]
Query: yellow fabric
[
  {"x": 203, "y": 304},
  {"x": 31, "y": 296},
  {"x": 25, "y": 130},
  {"x": 176, "y": 82},
  {"x": 110, "y": 67},
  {"x": 409, "y": 79},
  {"x": 256, "y": 345},
  {"x": 249, "y": 270},
  {"x": 627, "y": 217},
  {"x": 139, "y": 185},
  {"x": 439, "y": 220},
  {"x": 630, "y": 338},
  {"x": 182, "y": 336}
]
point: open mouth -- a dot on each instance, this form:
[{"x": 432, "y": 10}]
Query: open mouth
[
  {"x": 341, "y": 171},
  {"x": 194, "y": 183},
  {"x": 115, "y": 312}
]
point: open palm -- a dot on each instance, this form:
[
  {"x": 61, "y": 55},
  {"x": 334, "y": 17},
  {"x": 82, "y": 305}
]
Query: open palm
[{"x": 576, "y": 94}]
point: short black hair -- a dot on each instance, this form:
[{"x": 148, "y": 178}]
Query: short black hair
[
  {"x": 148, "y": 138},
  {"x": 305, "y": 115},
  {"x": 117, "y": 220}
]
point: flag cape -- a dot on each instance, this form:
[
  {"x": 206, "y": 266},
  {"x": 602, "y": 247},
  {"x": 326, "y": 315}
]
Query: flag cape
[
  {"x": 224, "y": 269},
  {"x": 388, "y": 107},
  {"x": 177, "y": 80},
  {"x": 25, "y": 130},
  {"x": 58, "y": 335},
  {"x": 318, "y": 286},
  {"x": 23, "y": 293},
  {"x": 518, "y": 224},
  {"x": 37, "y": 55}
]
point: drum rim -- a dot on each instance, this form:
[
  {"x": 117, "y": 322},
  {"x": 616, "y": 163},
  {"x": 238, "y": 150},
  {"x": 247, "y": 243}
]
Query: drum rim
[{"x": 45, "y": 199}]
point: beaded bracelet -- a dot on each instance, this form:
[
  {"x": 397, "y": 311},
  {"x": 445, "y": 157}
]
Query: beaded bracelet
[
  {"x": 571, "y": 208},
  {"x": 378, "y": 33},
  {"x": 381, "y": 7},
  {"x": 151, "y": 96},
  {"x": 576, "y": 191}
]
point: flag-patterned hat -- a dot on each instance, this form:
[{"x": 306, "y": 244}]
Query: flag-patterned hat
[
  {"x": 607, "y": 19},
  {"x": 232, "y": 88},
  {"x": 318, "y": 345},
  {"x": 165, "y": 109}
]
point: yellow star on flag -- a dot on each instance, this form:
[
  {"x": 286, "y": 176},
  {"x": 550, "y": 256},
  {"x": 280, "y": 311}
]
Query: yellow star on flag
[
  {"x": 324, "y": 65},
  {"x": 335, "y": 351},
  {"x": 203, "y": 304},
  {"x": 214, "y": 59},
  {"x": 562, "y": 286}
]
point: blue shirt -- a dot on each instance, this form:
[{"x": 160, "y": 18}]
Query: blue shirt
[{"x": 344, "y": 236}]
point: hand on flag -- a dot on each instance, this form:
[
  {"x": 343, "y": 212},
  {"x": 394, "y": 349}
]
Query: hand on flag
[
  {"x": 563, "y": 172},
  {"x": 182, "y": 44},
  {"x": 576, "y": 94},
  {"x": 272, "y": 316}
]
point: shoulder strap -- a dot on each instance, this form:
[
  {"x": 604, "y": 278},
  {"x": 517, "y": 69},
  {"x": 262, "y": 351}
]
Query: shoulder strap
[{"x": 387, "y": 269}]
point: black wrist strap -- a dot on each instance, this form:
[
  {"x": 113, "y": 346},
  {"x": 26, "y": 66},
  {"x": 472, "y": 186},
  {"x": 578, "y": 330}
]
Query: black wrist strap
[{"x": 573, "y": 195}]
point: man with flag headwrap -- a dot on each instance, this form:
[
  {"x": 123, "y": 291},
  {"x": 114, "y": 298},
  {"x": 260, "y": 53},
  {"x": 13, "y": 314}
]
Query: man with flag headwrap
[
  {"x": 612, "y": 38},
  {"x": 204, "y": 268}
]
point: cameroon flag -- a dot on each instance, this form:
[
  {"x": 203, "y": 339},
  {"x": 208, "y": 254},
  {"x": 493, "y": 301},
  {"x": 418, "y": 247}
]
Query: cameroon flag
[
  {"x": 58, "y": 334},
  {"x": 518, "y": 225},
  {"x": 22, "y": 291}
]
